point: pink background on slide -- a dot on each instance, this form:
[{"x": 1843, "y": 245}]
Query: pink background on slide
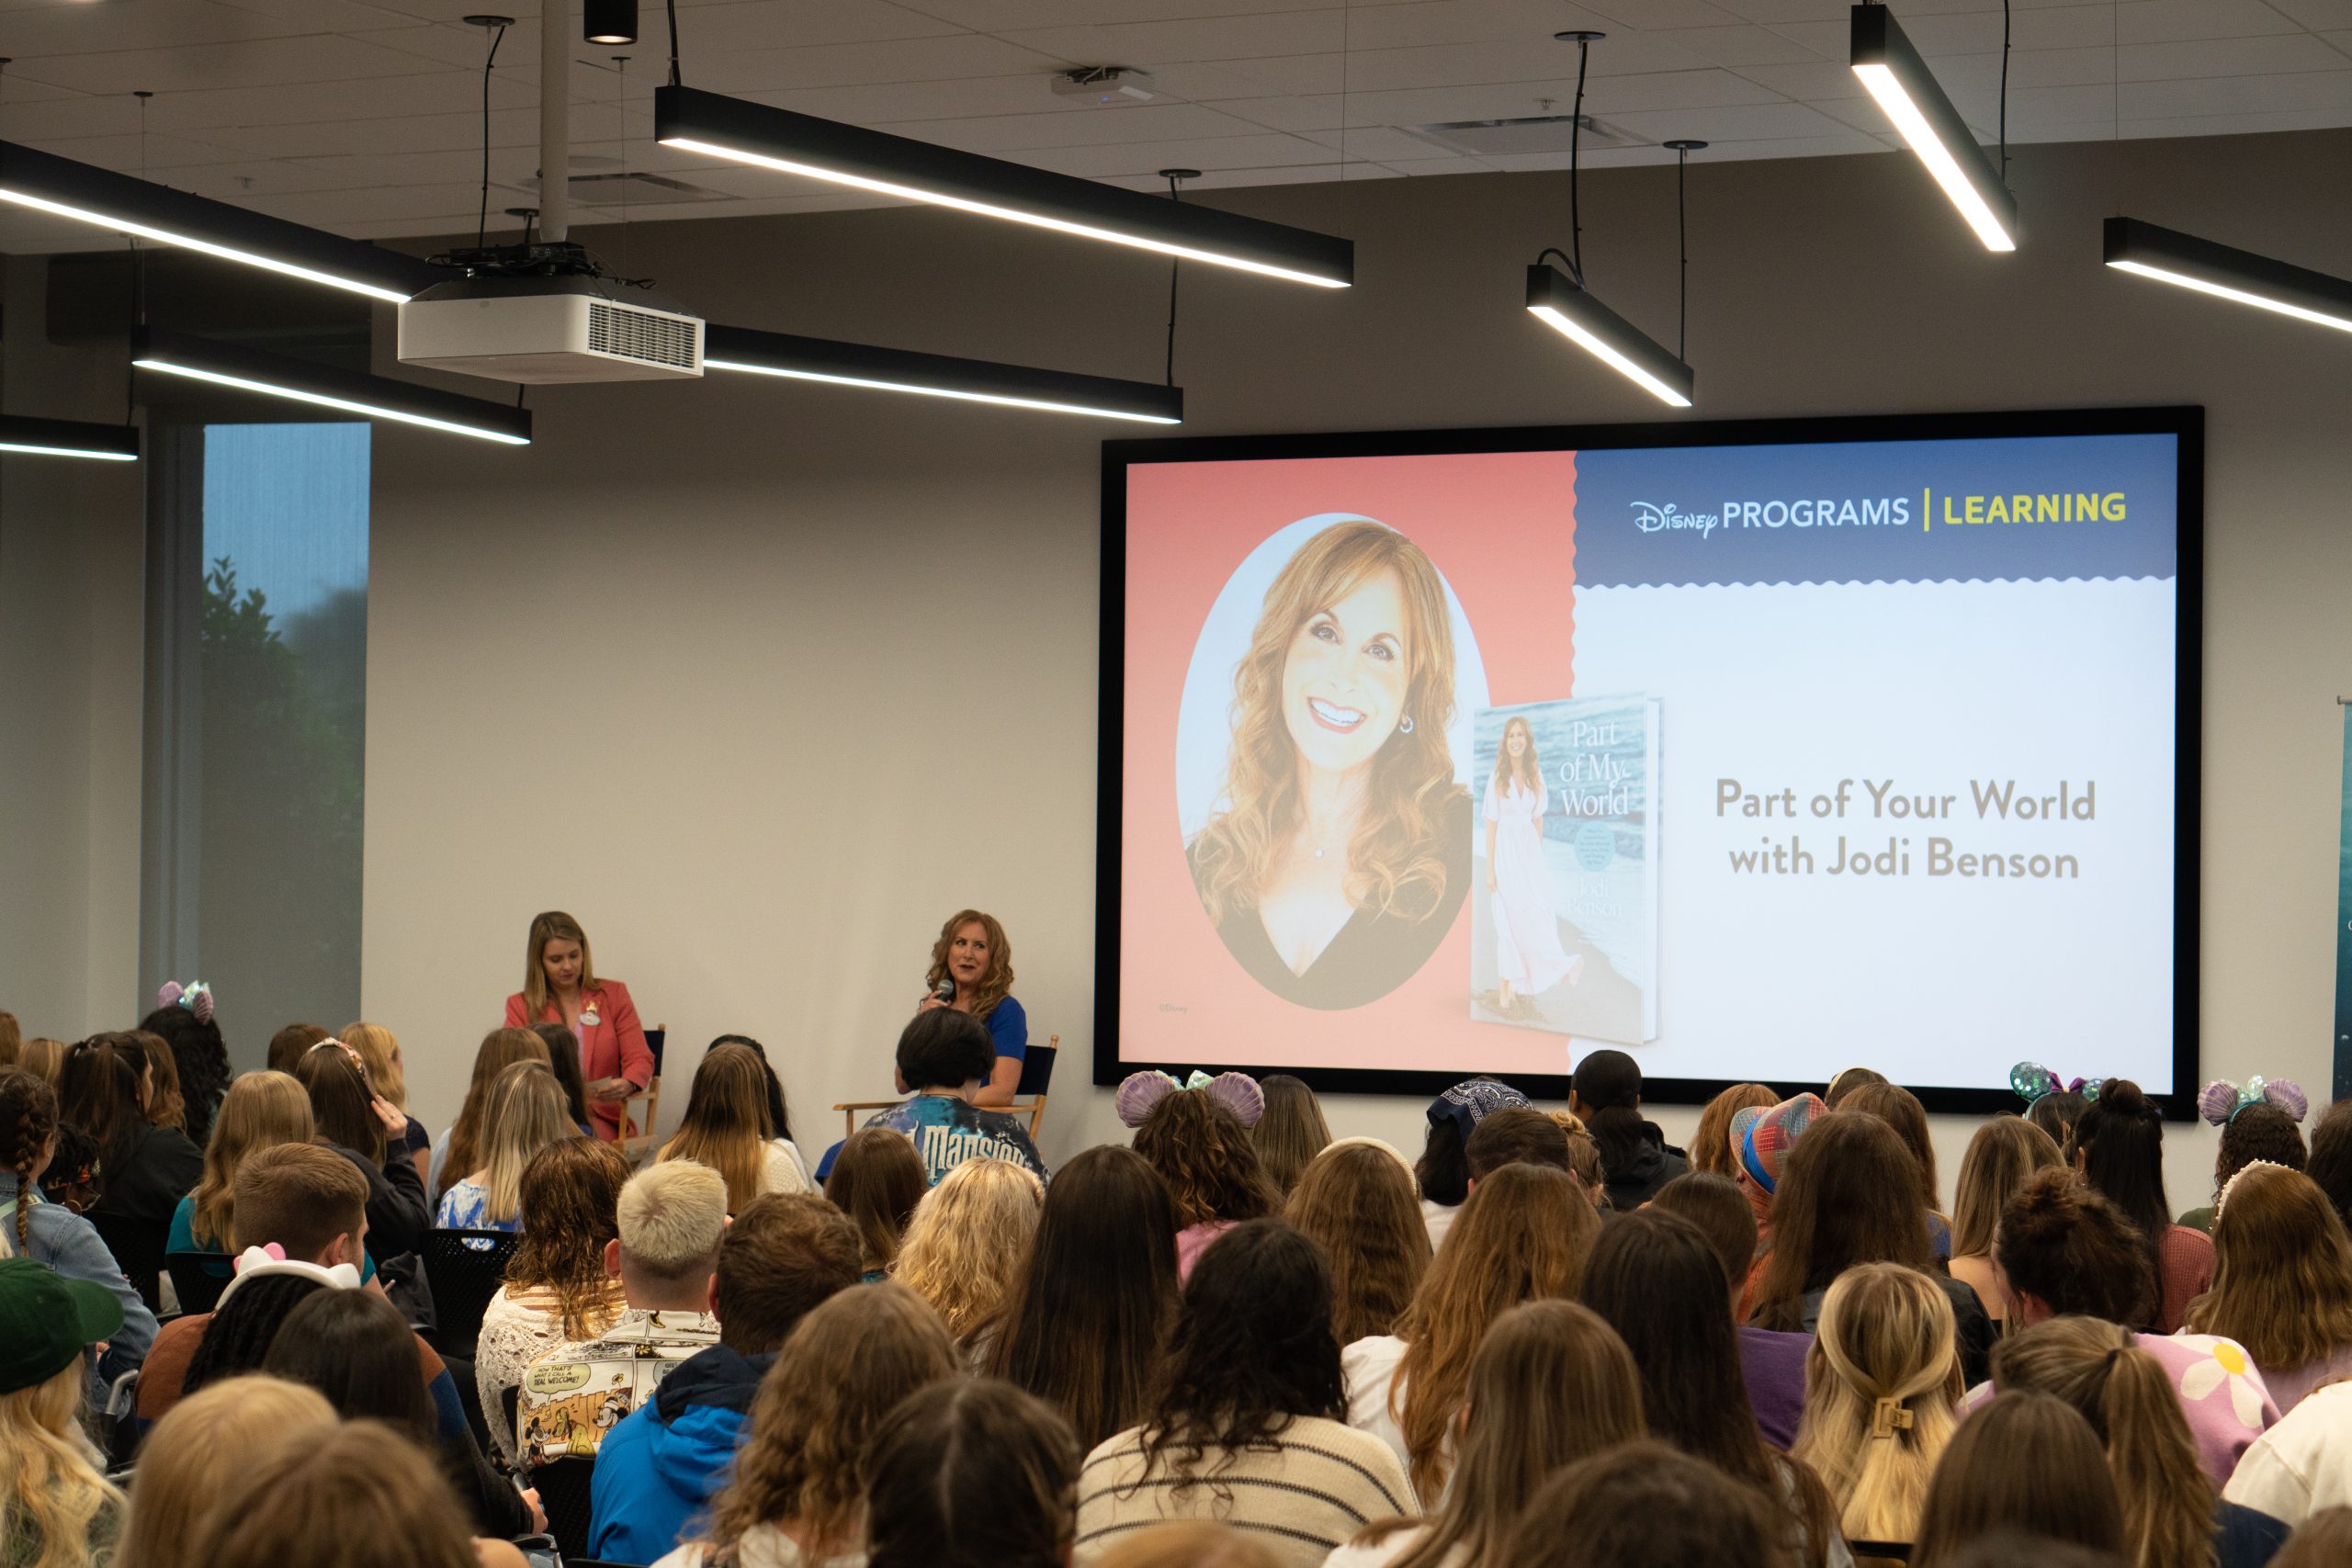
[{"x": 1502, "y": 528}]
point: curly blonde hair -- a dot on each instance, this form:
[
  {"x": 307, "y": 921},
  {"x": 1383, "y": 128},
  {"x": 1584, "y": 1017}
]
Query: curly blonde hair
[
  {"x": 967, "y": 1240},
  {"x": 997, "y": 983},
  {"x": 1397, "y": 863}
]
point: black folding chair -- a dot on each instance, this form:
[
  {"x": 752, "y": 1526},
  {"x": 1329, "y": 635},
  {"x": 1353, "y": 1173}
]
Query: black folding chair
[
  {"x": 563, "y": 1488},
  {"x": 464, "y": 1269},
  {"x": 138, "y": 1247},
  {"x": 194, "y": 1282}
]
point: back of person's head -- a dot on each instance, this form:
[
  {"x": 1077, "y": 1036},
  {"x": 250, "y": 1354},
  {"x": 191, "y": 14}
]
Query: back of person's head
[
  {"x": 1519, "y": 1135},
  {"x": 1715, "y": 1204},
  {"x": 51, "y": 1492},
  {"x": 1356, "y": 1202},
  {"x": 672, "y": 1218},
  {"x": 1657, "y": 1281},
  {"x": 200, "y": 1448},
  {"x": 2120, "y": 1145},
  {"x": 1848, "y": 1194},
  {"x": 12, "y": 1038},
  {"x": 967, "y": 1239},
  {"x": 878, "y": 1179},
  {"x": 943, "y": 1049},
  {"x": 2025, "y": 1462},
  {"x": 29, "y": 1118},
  {"x": 290, "y": 1045},
  {"x": 356, "y": 1349},
  {"x": 1252, "y": 1348},
  {"x": 311, "y": 1201},
  {"x": 1204, "y": 1153},
  {"x": 379, "y": 1051},
  {"x": 1646, "y": 1503},
  {"x": 779, "y": 1114},
  {"x": 1188, "y": 1543},
  {"x": 726, "y": 1126},
  {"x": 2330, "y": 1164},
  {"x": 500, "y": 1049},
  {"x": 1848, "y": 1083},
  {"x": 2056, "y": 1114},
  {"x": 343, "y": 1106},
  {"x": 262, "y": 1110},
  {"x": 563, "y": 1060},
  {"x": 1881, "y": 1385},
  {"x": 1102, "y": 1273},
  {"x": 971, "y": 1475},
  {"x": 2323, "y": 1540},
  {"x": 1608, "y": 1086},
  {"x": 102, "y": 1086},
  {"x": 2071, "y": 1250},
  {"x": 1292, "y": 1131},
  {"x": 1584, "y": 1162},
  {"x": 2015, "y": 1549},
  {"x": 844, "y": 1366},
  {"x": 524, "y": 1113},
  {"x": 1901, "y": 1110},
  {"x": 200, "y": 1059},
  {"x": 164, "y": 1106},
  {"x": 44, "y": 1058},
  {"x": 569, "y": 1201},
  {"x": 2129, "y": 1399},
  {"x": 2001, "y": 1155},
  {"x": 2260, "y": 1133},
  {"x": 783, "y": 1256},
  {"x": 1711, "y": 1143},
  {"x": 1524, "y": 1236},
  {"x": 245, "y": 1326},
  {"x": 1443, "y": 1171},
  {"x": 360, "y": 1495},
  {"x": 2282, "y": 1270}
]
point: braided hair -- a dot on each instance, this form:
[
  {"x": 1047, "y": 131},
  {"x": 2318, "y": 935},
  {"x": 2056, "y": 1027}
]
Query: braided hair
[
  {"x": 238, "y": 1338},
  {"x": 27, "y": 1120}
]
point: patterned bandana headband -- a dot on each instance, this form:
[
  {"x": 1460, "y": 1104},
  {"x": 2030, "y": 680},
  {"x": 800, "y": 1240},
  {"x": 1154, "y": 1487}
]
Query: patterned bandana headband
[
  {"x": 2031, "y": 1081},
  {"x": 2221, "y": 1101},
  {"x": 1237, "y": 1092},
  {"x": 195, "y": 996}
]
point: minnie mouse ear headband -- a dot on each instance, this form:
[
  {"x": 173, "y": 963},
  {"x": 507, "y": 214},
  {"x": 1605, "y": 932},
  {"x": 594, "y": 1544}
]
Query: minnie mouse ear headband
[
  {"x": 195, "y": 996},
  {"x": 1467, "y": 1104},
  {"x": 1237, "y": 1092},
  {"x": 259, "y": 1262},
  {"x": 2221, "y": 1101},
  {"x": 2031, "y": 1081}
]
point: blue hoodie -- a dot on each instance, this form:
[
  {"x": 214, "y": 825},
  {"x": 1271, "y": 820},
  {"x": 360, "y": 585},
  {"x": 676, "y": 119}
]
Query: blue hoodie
[{"x": 661, "y": 1465}]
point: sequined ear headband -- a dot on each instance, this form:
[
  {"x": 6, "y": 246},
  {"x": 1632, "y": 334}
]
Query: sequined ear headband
[
  {"x": 1237, "y": 1092},
  {"x": 2221, "y": 1101},
  {"x": 195, "y": 996},
  {"x": 2031, "y": 1081}
]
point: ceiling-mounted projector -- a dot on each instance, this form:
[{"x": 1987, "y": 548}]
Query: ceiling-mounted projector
[
  {"x": 545, "y": 331},
  {"x": 1104, "y": 85}
]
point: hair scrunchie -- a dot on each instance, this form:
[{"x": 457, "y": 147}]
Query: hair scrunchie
[
  {"x": 2221, "y": 1101},
  {"x": 1237, "y": 1092}
]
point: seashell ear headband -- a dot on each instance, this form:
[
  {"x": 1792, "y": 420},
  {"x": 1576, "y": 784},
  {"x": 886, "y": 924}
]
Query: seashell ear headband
[
  {"x": 1237, "y": 1092},
  {"x": 2030, "y": 1080},
  {"x": 2221, "y": 1101},
  {"x": 195, "y": 996}
]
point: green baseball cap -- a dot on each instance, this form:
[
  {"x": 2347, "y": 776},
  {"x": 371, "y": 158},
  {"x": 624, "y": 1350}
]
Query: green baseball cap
[{"x": 47, "y": 1320}]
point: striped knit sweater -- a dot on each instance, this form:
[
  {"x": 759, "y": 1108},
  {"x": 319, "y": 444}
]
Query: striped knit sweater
[{"x": 1303, "y": 1493}]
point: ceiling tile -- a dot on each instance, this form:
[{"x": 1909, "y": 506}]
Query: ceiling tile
[
  {"x": 1730, "y": 122},
  {"x": 1261, "y": 150},
  {"x": 1021, "y": 132},
  {"x": 2278, "y": 53},
  {"x": 2330, "y": 90},
  {"x": 1427, "y": 22},
  {"x": 1455, "y": 65},
  {"x": 2167, "y": 21},
  {"x": 1211, "y": 38},
  {"x": 253, "y": 62},
  {"x": 2316, "y": 15},
  {"x": 1745, "y": 45},
  {"x": 129, "y": 153},
  {"x": 897, "y": 60},
  {"x": 1005, "y": 15}
]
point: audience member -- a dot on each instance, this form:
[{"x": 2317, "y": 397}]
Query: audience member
[
  {"x": 2323, "y": 1540},
  {"x": 1653, "y": 1276},
  {"x": 183, "y": 1020},
  {"x": 1197, "y": 1138},
  {"x": 262, "y": 1110},
  {"x": 779, "y": 1114},
  {"x": 1188, "y": 1543},
  {"x": 1356, "y": 1202},
  {"x": 1771, "y": 1363},
  {"x": 1520, "y": 1136},
  {"x": 2303, "y": 1463},
  {"x": 966, "y": 1243},
  {"x": 1584, "y": 1164},
  {"x": 379, "y": 1055},
  {"x": 2119, "y": 1147},
  {"x": 54, "y": 1234},
  {"x": 728, "y": 1127},
  {"x": 659, "y": 1466},
  {"x": 798, "y": 1492},
  {"x": 2002, "y": 1154},
  {"x": 2259, "y": 1133},
  {"x": 196, "y": 1452},
  {"x": 1901, "y": 1110},
  {"x": 1711, "y": 1145},
  {"x": 2282, "y": 1280},
  {"x": 458, "y": 1149},
  {"x": 1443, "y": 1172},
  {"x": 1760, "y": 1142},
  {"x": 1523, "y": 1235},
  {"x": 878, "y": 1179},
  {"x": 1648, "y": 1504},
  {"x": 291, "y": 1044},
  {"x": 1848, "y": 1083},
  {"x": 2027, "y": 1462},
  {"x": 1291, "y": 1132},
  {"x": 2330, "y": 1164},
  {"x": 1552, "y": 1384},
  {"x": 523, "y": 1114},
  {"x": 164, "y": 1106},
  {"x": 56, "y": 1509},
  {"x": 1605, "y": 1090},
  {"x": 42, "y": 1057},
  {"x": 971, "y": 1475},
  {"x": 1880, "y": 1391},
  {"x": 362, "y": 1126},
  {"x": 943, "y": 1058},
  {"x": 557, "y": 1290},
  {"x": 359, "y": 1496},
  {"x": 1247, "y": 1424},
  {"x": 143, "y": 1169},
  {"x": 2057, "y": 1110},
  {"x": 1102, "y": 1273},
  {"x": 563, "y": 1060},
  {"x": 12, "y": 1039}
]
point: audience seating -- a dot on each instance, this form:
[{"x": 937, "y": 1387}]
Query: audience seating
[
  {"x": 563, "y": 1488},
  {"x": 464, "y": 1269},
  {"x": 1037, "y": 1074},
  {"x": 194, "y": 1282},
  {"x": 138, "y": 1247}
]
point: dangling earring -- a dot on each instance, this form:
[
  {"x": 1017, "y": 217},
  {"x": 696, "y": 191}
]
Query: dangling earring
[{"x": 1406, "y": 728}]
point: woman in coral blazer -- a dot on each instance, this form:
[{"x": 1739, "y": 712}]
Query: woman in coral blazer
[{"x": 559, "y": 986}]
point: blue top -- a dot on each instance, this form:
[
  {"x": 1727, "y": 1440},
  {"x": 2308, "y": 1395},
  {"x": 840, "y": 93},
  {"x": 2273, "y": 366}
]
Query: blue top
[
  {"x": 183, "y": 1239},
  {"x": 466, "y": 1207},
  {"x": 659, "y": 1466},
  {"x": 1009, "y": 1028},
  {"x": 947, "y": 1130},
  {"x": 70, "y": 1244}
]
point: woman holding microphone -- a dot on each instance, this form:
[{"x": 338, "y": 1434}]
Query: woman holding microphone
[
  {"x": 971, "y": 971},
  {"x": 561, "y": 985}
]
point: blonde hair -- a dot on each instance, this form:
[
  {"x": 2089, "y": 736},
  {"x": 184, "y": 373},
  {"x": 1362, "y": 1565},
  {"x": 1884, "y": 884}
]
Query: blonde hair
[
  {"x": 672, "y": 1218},
  {"x": 527, "y": 1111},
  {"x": 552, "y": 926},
  {"x": 42, "y": 1057},
  {"x": 381, "y": 1050},
  {"x": 1881, "y": 1385},
  {"x": 500, "y": 1049},
  {"x": 197, "y": 1450},
  {"x": 358, "y": 1495},
  {"x": 2004, "y": 1151},
  {"x": 261, "y": 1110},
  {"x": 1396, "y": 861},
  {"x": 52, "y": 1490},
  {"x": 726, "y": 1125},
  {"x": 1357, "y": 1201},
  {"x": 2282, "y": 1270},
  {"x": 967, "y": 1240},
  {"x": 997, "y": 983}
]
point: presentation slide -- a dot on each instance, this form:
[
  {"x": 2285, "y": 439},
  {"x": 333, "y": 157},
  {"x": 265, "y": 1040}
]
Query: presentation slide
[{"x": 1756, "y": 759}]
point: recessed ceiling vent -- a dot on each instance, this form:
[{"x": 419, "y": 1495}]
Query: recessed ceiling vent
[
  {"x": 615, "y": 189},
  {"x": 1531, "y": 134}
]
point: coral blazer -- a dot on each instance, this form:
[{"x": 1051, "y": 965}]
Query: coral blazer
[{"x": 612, "y": 1048}]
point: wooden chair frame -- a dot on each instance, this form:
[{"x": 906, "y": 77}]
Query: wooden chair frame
[{"x": 1033, "y": 1105}]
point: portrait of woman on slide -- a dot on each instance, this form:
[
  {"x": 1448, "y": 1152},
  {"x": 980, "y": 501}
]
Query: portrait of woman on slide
[
  {"x": 1338, "y": 854},
  {"x": 1529, "y": 959},
  {"x": 561, "y": 985}
]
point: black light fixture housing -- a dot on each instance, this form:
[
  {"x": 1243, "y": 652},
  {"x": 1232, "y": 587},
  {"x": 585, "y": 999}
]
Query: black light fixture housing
[
  {"x": 1569, "y": 308},
  {"x": 27, "y": 436},
  {"x": 350, "y": 391},
  {"x": 946, "y": 177},
  {"x": 937, "y": 374},
  {"x": 2227, "y": 272},
  {"x": 1893, "y": 73},
  {"x": 608, "y": 21}
]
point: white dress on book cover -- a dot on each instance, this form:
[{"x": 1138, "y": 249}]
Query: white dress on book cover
[{"x": 1528, "y": 955}]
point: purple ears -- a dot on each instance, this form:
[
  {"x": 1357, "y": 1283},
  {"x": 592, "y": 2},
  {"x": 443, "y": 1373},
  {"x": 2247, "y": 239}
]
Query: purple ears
[
  {"x": 2220, "y": 1102},
  {"x": 195, "y": 996},
  {"x": 1237, "y": 1092}
]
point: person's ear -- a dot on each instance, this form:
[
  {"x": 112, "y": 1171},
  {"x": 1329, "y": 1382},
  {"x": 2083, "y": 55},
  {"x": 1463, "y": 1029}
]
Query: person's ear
[
  {"x": 2082, "y": 1158},
  {"x": 1470, "y": 1185},
  {"x": 340, "y": 1250},
  {"x": 613, "y": 1258},
  {"x": 710, "y": 1296},
  {"x": 900, "y": 1079}
]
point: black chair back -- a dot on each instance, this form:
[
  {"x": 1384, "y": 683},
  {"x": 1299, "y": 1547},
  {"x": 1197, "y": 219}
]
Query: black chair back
[
  {"x": 1883, "y": 1551},
  {"x": 464, "y": 1269},
  {"x": 194, "y": 1282},
  {"x": 655, "y": 1040},
  {"x": 138, "y": 1247},
  {"x": 563, "y": 1491},
  {"x": 1037, "y": 1069}
]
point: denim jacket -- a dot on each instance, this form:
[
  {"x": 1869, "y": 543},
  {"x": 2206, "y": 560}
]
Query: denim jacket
[{"x": 69, "y": 1244}]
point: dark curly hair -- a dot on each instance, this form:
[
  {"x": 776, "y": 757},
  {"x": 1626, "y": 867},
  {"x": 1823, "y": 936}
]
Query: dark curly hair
[
  {"x": 239, "y": 1336},
  {"x": 2331, "y": 1158},
  {"x": 202, "y": 1057},
  {"x": 2258, "y": 1131},
  {"x": 1252, "y": 1349},
  {"x": 1205, "y": 1156},
  {"x": 2077, "y": 1250}
]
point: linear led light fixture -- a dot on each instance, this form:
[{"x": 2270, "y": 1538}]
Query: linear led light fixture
[
  {"x": 938, "y": 375},
  {"x": 43, "y": 182},
  {"x": 1893, "y": 73},
  {"x": 352, "y": 391},
  {"x": 946, "y": 177},
  {"x": 68, "y": 438},
  {"x": 2169, "y": 256},
  {"x": 1576, "y": 315}
]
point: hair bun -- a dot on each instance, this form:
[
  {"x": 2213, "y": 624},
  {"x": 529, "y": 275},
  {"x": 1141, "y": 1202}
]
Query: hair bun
[{"x": 2124, "y": 1097}]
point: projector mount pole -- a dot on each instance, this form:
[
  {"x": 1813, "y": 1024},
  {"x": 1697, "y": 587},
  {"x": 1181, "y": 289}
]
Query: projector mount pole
[{"x": 555, "y": 120}]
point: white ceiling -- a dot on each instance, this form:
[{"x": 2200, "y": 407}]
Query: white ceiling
[{"x": 364, "y": 115}]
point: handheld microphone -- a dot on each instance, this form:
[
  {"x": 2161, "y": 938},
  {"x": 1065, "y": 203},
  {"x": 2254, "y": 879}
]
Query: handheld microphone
[{"x": 946, "y": 991}]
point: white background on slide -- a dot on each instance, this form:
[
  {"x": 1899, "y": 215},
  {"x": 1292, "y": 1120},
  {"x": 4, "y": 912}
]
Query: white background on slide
[{"x": 1934, "y": 980}]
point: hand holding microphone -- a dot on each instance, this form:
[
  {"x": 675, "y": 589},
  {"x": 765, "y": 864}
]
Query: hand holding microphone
[{"x": 942, "y": 995}]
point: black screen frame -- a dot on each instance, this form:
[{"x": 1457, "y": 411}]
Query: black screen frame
[{"x": 2185, "y": 424}]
